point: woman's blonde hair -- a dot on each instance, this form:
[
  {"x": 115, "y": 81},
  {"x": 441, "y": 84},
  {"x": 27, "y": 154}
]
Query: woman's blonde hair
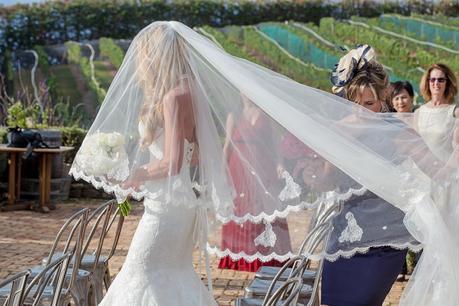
[
  {"x": 451, "y": 83},
  {"x": 372, "y": 76},
  {"x": 162, "y": 61}
]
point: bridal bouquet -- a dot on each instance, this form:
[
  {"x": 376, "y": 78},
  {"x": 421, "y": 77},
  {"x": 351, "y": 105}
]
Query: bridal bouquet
[{"x": 103, "y": 154}]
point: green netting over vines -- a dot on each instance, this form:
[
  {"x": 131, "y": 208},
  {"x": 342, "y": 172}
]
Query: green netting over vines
[
  {"x": 299, "y": 48},
  {"x": 424, "y": 30},
  {"x": 446, "y": 20},
  {"x": 305, "y": 50}
]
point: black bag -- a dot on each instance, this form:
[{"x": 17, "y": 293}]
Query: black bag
[{"x": 30, "y": 139}]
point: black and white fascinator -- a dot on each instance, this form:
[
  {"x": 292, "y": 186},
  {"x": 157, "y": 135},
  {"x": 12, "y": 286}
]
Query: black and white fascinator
[{"x": 349, "y": 65}]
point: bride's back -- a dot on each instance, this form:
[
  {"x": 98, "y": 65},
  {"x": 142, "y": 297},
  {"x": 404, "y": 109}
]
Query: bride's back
[{"x": 186, "y": 122}]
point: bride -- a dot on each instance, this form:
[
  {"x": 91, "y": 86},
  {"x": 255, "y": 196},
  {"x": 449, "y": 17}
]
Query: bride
[
  {"x": 159, "y": 269},
  {"x": 159, "y": 137}
]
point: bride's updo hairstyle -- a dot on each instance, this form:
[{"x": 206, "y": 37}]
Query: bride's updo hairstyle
[
  {"x": 358, "y": 70},
  {"x": 162, "y": 63}
]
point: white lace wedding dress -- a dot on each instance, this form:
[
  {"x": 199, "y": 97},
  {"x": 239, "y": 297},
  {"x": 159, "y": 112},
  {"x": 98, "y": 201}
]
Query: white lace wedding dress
[{"x": 158, "y": 269}]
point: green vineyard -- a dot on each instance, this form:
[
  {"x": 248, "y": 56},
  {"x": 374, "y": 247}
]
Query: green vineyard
[{"x": 76, "y": 76}]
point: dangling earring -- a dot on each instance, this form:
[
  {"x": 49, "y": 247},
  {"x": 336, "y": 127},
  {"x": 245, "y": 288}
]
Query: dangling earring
[{"x": 384, "y": 107}]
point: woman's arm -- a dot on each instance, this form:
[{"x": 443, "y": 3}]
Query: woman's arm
[
  {"x": 229, "y": 132},
  {"x": 171, "y": 162},
  {"x": 455, "y": 138},
  {"x": 456, "y": 112},
  {"x": 173, "y": 140}
]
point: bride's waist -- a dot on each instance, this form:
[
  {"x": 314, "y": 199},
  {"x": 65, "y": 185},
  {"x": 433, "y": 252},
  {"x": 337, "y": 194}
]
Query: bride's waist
[
  {"x": 180, "y": 203},
  {"x": 180, "y": 180},
  {"x": 169, "y": 188}
]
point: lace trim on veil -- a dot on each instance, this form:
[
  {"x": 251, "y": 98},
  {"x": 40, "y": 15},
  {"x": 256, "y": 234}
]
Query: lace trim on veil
[
  {"x": 415, "y": 247},
  {"x": 249, "y": 258},
  {"x": 330, "y": 257},
  {"x": 122, "y": 194},
  {"x": 332, "y": 197}
]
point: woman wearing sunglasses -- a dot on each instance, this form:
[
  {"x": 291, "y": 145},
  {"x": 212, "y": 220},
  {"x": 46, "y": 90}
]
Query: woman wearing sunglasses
[{"x": 437, "y": 117}]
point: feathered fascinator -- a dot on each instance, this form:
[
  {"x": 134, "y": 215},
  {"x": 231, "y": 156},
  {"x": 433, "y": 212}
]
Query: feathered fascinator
[{"x": 349, "y": 65}]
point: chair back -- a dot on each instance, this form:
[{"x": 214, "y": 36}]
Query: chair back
[
  {"x": 50, "y": 279},
  {"x": 287, "y": 294},
  {"x": 119, "y": 226},
  {"x": 291, "y": 288},
  {"x": 321, "y": 239},
  {"x": 99, "y": 220},
  {"x": 314, "y": 237},
  {"x": 72, "y": 232},
  {"x": 328, "y": 212},
  {"x": 18, "y": 284}
]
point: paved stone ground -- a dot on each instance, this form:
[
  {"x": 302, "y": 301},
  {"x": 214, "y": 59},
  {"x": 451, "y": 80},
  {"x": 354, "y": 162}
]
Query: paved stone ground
[{"x": 26, "y": 237}]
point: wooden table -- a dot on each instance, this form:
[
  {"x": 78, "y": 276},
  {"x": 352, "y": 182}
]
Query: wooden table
[{"x": 14, "y": 175}]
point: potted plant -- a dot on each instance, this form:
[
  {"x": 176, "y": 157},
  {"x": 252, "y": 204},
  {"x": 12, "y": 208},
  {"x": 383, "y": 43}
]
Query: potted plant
[{"x": 35, "y": 110}]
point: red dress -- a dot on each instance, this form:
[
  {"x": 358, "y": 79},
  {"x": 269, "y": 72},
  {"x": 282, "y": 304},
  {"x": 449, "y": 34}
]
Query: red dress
[{"x": 252, "y": 165}]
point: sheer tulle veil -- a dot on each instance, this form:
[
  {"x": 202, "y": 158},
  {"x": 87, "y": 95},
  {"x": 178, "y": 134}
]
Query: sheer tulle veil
[{"x": 339, "y": 150}]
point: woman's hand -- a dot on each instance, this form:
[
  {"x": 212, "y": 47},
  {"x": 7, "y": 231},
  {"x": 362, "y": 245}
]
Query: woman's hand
[
  {"x": 131, "y": 183},
  {"x": 137, "y": 179}
]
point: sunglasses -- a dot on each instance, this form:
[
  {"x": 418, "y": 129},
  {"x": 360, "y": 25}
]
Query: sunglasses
[{"x": 439, "y": 80}]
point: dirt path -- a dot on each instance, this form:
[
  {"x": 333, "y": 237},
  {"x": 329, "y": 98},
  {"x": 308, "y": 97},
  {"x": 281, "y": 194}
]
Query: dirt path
[{"x": 106, "y": 62}]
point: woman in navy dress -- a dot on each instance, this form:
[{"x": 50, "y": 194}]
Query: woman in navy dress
[{"x": 353, "y": 275}]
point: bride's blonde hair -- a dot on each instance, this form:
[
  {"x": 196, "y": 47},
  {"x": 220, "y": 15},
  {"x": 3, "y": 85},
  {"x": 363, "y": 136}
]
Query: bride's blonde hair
[{"x": 162, "y": 61}]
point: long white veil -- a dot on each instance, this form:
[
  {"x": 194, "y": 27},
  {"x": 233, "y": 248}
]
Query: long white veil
[{"x": 270, "y": 153}]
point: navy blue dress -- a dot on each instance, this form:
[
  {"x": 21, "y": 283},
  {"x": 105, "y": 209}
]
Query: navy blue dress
[{"x": 364, "y": 279}]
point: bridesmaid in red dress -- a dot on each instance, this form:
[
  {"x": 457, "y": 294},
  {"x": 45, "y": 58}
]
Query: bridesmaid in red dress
[{"x": 250, "y": 163}]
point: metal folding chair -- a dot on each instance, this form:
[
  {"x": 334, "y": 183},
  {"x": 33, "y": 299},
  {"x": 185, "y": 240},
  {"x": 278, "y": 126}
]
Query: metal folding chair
[
  {"x": 47, "y": 287},
  {"x": 117, "y": 233},
  {"x": 12, "y": 289},
  {"x": 72, "y": 233},
  {"x": 323, "y": 216},
  {"x": 264, "y": 289},
  {"x": 286, "y": 292},
  {"x": 99, "y": 224},
  {"x": 268, "y": 273},
  {"x": 104, "y": 217},
  {"x": 295, "y": 274}
]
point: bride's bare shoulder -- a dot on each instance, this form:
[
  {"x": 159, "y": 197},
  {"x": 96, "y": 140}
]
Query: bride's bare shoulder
[
  {"x": 177, "y": 103},
  {"x": 176, "y": 95}
]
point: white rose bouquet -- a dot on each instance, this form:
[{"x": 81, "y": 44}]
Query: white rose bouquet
[{"x": 103, "y": 154}]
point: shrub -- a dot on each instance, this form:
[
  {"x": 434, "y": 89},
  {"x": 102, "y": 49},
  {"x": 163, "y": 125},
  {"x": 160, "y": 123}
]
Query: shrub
[
  {"x": 3, "y": 133},
  {"x": 22, "y": 116},
  {"x": 111, "y": 50}
]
